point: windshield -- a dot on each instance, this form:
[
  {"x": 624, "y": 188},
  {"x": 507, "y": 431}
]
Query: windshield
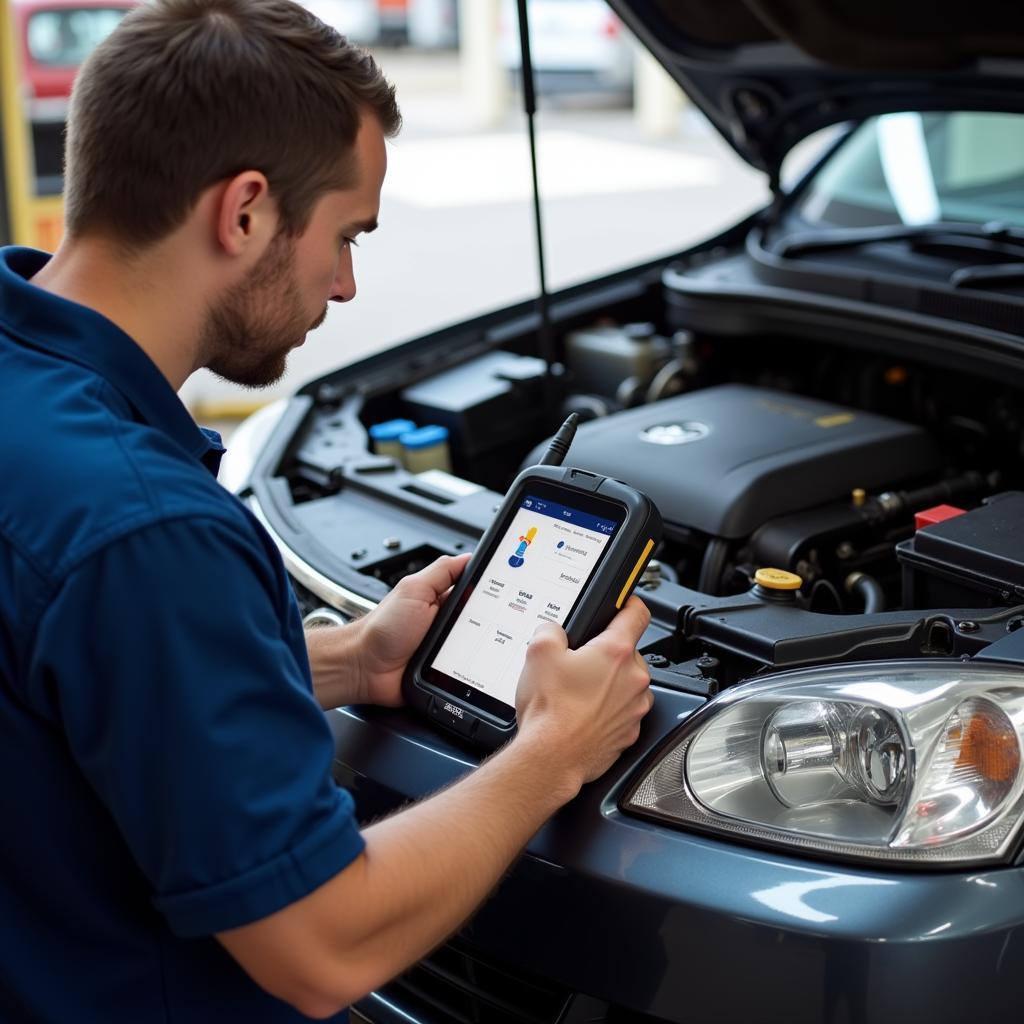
[
  {"x": 65, "y": 37},
  {"x": 918, "y": 168}
]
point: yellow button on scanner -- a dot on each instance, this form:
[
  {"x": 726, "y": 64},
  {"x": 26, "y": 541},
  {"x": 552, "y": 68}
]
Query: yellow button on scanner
[{"x": 777, "y": 579}]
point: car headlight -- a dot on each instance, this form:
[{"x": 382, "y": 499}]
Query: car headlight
[{"x": 903, "y": 761}]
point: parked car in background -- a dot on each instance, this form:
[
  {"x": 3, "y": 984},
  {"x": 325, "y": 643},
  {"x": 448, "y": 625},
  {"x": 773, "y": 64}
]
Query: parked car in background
[
  {"x": 424, "y": 24},
  {"x": 393, "y": 14},
  {"x": 55, "y": 37},
  {"x": 575, "y": 46},
  {"x": 823, "y": 819},
  {"x": 358, "y": 20},
  {"x": 432, "y": 24}
]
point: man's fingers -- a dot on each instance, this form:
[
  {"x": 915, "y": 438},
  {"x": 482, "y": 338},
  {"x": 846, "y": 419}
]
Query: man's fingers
[
  {"x": 441, "y": 575},
  {"x": 549, "y": 634},
  {"x": 628, "y": 626}
]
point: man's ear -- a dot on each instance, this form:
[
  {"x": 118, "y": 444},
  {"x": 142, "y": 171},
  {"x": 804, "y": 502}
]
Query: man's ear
[{"x": 246, "y": 216}]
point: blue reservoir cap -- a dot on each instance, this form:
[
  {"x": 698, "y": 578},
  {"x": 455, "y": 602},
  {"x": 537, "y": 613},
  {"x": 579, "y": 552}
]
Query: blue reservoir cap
[
  {"x": 391, "y": 430},
  {"x": 425, "y": 437}
]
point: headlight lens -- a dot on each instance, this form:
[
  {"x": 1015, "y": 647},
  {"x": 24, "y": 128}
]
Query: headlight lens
[{"x": 903, "y": 761}]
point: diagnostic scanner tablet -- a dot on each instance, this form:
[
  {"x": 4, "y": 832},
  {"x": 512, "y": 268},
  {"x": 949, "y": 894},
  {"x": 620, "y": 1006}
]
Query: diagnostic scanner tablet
[{"x": 566, "y": 546}]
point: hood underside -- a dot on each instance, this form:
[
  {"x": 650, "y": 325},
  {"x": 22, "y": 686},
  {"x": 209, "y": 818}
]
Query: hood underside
[{"x": 768, "y": 73}]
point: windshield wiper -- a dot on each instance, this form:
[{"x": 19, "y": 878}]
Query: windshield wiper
[{"x": 993, "y": 237}]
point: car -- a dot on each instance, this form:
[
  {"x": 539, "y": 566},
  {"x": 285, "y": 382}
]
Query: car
[
  {"x": 422, "y": 24},
  {"x": 358, "y": 20},
  {"x": 54, "y": 38},
  {"x": 822, "y": 819},
  {"x": 577, "y": 46},
  {"x": 432, "y": 24}
]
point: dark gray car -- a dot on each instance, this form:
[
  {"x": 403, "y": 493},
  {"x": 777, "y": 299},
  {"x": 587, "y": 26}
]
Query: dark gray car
[{"x": 822, "y": 818}]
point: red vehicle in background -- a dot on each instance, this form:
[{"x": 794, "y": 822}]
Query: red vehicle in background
[
  {"x": 393, "y": 16},
  {"x": 54, "y": 37}
]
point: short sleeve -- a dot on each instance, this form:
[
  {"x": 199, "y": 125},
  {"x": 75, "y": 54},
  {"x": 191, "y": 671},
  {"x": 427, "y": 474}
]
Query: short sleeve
[{"x": 168, "y": 660}]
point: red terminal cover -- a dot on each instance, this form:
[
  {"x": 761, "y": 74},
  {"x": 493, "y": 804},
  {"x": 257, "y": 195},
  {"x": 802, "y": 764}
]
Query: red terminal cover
[{"x": 936, "y": 515}]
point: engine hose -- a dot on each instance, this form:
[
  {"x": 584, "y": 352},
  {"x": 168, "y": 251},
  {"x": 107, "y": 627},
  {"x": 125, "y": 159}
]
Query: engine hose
[
  {"x": 897, "y": 503},
  {"x": 831, "y": 597},
  {"x": 713, "y": 566},
  {"x": 868, "y": 589},
  {"x": 946, "y": 490}
]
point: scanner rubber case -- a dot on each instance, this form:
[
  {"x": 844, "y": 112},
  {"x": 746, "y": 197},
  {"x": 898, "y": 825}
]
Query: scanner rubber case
[{"x": 621, "y": 565}]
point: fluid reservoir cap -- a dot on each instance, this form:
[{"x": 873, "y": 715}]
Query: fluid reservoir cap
[
  {"x": 391, "y": 430},
  {"x": 778, "y": 579},
  {"x": 425, "y": 437}
]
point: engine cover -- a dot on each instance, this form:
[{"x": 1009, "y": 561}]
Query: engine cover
[{"x": 726, "y": 459}]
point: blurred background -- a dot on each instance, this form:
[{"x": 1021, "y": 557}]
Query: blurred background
[{"x": 628, "y": 170}]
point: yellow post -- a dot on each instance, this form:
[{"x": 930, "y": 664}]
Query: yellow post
[{"x": 16, "y": 150}]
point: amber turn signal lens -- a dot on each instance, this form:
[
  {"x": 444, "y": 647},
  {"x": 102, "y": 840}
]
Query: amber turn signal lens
[{"x": 988, "y": 743}]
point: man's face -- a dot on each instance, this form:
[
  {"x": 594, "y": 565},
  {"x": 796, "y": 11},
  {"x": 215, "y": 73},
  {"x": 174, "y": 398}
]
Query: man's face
[{"x": 251, "y": 330}]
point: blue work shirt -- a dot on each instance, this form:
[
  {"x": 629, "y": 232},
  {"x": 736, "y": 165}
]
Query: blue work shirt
[{"x": 164, "y": 767}]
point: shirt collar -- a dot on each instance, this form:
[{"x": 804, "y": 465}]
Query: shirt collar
[{"x": 77, "y": 333}]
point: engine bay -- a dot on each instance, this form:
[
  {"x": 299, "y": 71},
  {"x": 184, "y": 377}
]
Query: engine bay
[{"x": 887, "y": 481}]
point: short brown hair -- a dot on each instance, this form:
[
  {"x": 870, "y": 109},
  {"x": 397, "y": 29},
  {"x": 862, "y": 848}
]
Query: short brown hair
[{"x": 185, "y": 93}]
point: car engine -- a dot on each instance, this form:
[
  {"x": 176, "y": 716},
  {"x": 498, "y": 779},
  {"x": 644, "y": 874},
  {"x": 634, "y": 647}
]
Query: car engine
[
  {"x": 733, "y": 467},
  {"x": 886, "y": 485}
]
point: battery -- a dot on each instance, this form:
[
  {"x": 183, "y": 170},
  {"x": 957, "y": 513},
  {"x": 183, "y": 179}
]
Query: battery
[{"x": 971, "y": 560}]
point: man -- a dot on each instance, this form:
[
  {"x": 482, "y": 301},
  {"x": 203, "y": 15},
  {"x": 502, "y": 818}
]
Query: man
[{"x": 175, "y": 849}]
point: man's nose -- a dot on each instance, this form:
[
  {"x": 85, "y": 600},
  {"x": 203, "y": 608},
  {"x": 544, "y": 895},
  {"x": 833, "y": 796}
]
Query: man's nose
[{"x": 343, "y": 288}]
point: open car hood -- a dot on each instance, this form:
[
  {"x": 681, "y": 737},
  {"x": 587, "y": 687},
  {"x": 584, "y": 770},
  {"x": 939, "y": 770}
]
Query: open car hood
[{"x": 768, "y": 73}]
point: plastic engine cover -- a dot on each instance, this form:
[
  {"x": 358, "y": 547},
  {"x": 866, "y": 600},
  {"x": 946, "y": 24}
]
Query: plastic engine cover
[{"x": 726, "y": 459}]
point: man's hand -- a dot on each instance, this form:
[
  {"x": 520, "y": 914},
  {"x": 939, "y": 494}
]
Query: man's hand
[
  {"x": 362, "y": 663},
  {"x": 586, "y": 704},
  {"x": 390, "y": 634}
]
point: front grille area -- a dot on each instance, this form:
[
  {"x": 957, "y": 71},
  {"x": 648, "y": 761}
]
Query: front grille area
[{"x": 456, "y": 984}]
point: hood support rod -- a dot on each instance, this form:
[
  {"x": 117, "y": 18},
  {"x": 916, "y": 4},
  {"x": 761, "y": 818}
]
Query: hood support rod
[{"x": 545, "y": 336}]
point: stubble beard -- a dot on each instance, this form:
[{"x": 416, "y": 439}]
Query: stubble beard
[{"x": 250, "y": 332}]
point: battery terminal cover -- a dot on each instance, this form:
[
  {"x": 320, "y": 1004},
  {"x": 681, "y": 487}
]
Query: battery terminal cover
[{"x": 936, "y": 514}]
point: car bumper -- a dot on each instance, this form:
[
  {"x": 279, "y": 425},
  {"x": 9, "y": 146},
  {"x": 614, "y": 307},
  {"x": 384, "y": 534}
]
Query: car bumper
[{"x": 647, "y": 920}]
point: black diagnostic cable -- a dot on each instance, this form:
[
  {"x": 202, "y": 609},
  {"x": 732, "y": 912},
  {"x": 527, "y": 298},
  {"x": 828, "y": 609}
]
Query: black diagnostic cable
[{"x": 559, "y": 447}]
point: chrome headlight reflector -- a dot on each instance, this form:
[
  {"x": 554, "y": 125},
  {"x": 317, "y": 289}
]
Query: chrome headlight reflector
[{"x": 916, "y": 762}]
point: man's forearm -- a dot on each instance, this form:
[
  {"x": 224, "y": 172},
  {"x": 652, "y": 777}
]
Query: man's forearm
[
  {"x": 334, "y": 665},
  {"x": 425, "y": 870},
  {"x": 422, "y": 874}
]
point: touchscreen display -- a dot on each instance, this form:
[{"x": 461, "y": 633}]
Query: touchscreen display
[{"x": 538, "y": 570}]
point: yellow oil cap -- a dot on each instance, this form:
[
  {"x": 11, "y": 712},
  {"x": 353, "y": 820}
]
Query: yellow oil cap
[{"x": 778, "y": 579}]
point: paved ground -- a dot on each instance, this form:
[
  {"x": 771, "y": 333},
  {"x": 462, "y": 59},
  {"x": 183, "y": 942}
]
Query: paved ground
[{"x": 456, "y": 234}]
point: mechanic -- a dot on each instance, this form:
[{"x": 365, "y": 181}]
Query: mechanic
[{"x": 175, "y": 848}]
